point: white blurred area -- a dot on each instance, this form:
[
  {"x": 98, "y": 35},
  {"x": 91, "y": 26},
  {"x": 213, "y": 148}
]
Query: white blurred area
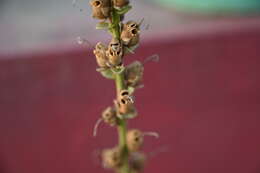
[{"x": 32, "y": 25}]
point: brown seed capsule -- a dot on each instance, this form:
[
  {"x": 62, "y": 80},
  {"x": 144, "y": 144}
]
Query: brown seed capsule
[
  {"x": 109, "y": 116},
  {"x": 125, "y": 105},
  {"x": 137, "y": 161},
  {"x": 120, "y": 3},
  {"x": 134, "y": 74},
  {"x": 130, "y": 34},
  {"x": 100, "y": 53},
  {"x": 101, "y": 8},
  {"x": 134, "y": 139},
  {"x": 114, "y": 52},
  {"x": 112, "y": 158}
]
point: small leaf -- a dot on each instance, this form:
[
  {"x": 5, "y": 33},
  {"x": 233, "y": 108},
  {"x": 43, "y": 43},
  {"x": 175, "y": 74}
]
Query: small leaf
[
  {"x": 130, "y": 49},
  {"x": 107, "y": 73},
  {"x": 102, "y": 25},
  {"x": 123, "y": 10},
  {"x": 131, "y": 90}
]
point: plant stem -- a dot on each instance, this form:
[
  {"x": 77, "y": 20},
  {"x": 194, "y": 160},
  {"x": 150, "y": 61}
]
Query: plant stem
[{"x": 120, "y": 85}]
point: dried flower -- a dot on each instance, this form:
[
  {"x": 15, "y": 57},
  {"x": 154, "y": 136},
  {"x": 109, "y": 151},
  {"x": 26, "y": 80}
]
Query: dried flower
[
  {"x": 134, "y": 74},
  {"x": 109, "y": 116},
  {"x": 120, "y": 3},
  {"x": 100, "y": 53},
  {"x": 125, "y": 104},
  {"x": 100, "y": 8},
  {"x": 112, "y": 158},
  {"x": 130, "y": 34}
]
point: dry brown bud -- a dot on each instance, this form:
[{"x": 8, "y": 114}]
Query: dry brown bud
[
  {"x": 100, "y": 8},
  {"x": 134, "y": 139},
  {"x": 130, "y": 34},
  {"x": 137, "y": 161},
  {"x": 120, "y": 3},
  {"x": 115, "y": 52},
  {"x": 112, "y": 158},
  {"x": 134, "y": 74},
  {"x": 100, "y": 53},
  {"x": 109, "y": 116}
]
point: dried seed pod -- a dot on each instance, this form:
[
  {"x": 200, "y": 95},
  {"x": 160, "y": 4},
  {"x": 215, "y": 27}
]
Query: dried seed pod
[
  {"x": 137, "y": 161},
  {"x": 115, "y": 52},
  {"x": 135, "y": 138},
  {"x": 100, "y": 53},
  {"x": 109, "y": 116},
  {"x": 112, "y": 158},
  {"x": 100, "y": 8},
  {"x": 130, "y": 34},
  {"x": 125, "y": 105},
  {"x": 120, "y": 3},
  {"x": 134, "y": 74}
]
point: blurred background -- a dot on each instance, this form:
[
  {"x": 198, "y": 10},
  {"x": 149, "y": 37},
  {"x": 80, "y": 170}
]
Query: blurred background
[{"x": 202, "y": 97}]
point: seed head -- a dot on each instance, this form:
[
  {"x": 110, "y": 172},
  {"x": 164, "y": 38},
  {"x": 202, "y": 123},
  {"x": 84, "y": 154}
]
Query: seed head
[
  {"x": 134, "y": 139},
  {"x": 109, "y": 116},
  {"x": 114, "y": 52},
  {"x": 130, "y": 34},
  {"x": 100, "y": 8},
  {"x": 100, "y": 53},
  {"x": 134, "y": 74},
  {"x": 125, "y": 104},
  {"x": 112, "y": 158}
]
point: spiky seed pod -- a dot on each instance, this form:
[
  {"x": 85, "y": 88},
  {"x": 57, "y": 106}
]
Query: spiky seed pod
[
  {"x": 100, "y": 53},
  {"x": 130, "y": 34},
  {"x": 112, "y": 158},
  {"x": 134, "y": 139},
  {"x": 109, "y": 116},
  {"x": 120, "y": 3},
  {"x": 134, "y": 74},
  {"x": 115, "y": 52},
  {"x": 100, "y": 8},
  {"x": 137, "y": 161}
]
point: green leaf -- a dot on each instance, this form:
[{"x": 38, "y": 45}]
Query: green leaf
[
  {"x": 102, "y": 25},
  {"x": 131, "y": 90},
  {"x": 107, "y": 73},
  {"x": 130, "y": 49},
  {"x": 130, "y": 115},
  {"x": 124, "y": 9}
]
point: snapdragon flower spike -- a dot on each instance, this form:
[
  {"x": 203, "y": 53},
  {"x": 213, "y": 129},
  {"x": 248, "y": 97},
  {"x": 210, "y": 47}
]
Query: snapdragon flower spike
[
  {"x": 120, "y": 3},
  {"x": 135, "y": 139},
  {"x": 112, "y": 158},
  {"x": 100, "y": 53},
  {"x": 115, "y": 52},
  {"x": 130, "y": 33},
  {"x": 100, "y": 8}
]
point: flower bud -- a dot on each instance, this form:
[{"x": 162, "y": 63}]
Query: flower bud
[
  {"x": 109, "y": 116},
  {"x": 112, "y": 158},
  {"x": 130, "y": 34},
  {"x": 114, "y": 52},
  {"x": 100, "y": 53},
  {"x": 137, "y": 161},
  {"x": 134, "y": 74},
  {"x": 120, "y": 3},
  {"x": 134, "y": 139},
  {"x": 100, "y": 8}
]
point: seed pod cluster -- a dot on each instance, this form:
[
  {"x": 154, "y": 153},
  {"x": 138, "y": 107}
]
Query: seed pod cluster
[
  {"x": 134, "y": 74},
  {"x": 109, "y": 116},
  {"x": 100, "y": 8},
  {"x": 130, "y": 33},
  {"x": 112, "y": 158},
  {"x": 124, "y": 104}
]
